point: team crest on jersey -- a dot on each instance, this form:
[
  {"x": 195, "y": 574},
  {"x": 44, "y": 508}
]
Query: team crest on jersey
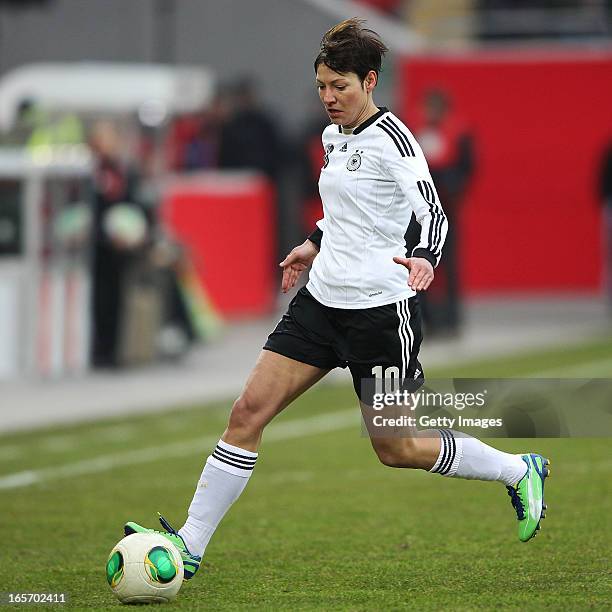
[
  {"x": 354, "y": 161},
  {"x": 328, "y": 149}
]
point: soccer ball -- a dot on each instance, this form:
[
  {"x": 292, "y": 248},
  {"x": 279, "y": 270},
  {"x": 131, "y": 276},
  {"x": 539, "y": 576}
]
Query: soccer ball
[{"x": 144, "y": 568}]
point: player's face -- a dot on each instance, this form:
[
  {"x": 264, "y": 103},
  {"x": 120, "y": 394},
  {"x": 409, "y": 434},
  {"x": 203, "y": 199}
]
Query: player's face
[{"x": 345, "y": 97}]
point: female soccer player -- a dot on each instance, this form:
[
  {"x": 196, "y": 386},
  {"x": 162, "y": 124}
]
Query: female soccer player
[{"x": 360, "y": 307}]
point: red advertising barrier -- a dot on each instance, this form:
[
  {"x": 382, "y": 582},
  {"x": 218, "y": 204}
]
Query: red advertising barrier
[
  {"x": 531, "y": 219},
  {"x": 226, "y": 221}
]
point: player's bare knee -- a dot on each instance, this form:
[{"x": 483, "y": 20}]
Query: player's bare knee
[
  {"x": 397, "y": 460},
  {"x": 242, "y": 416},
  {"x": 245, "y": 416},
  {"x": 404, "y": 455}
]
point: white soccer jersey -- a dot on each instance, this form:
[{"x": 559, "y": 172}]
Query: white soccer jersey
[{"x": 371, "y": 182}]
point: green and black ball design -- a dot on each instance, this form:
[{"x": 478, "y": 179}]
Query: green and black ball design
[
  {"x": 160, "y": 565},
  {"x": 114, "y": 569}
]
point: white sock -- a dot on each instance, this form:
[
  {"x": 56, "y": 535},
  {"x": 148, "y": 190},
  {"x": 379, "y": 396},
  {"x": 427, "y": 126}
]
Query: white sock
[
  {"x": 223, "y": 479},
  {"x": 466, "y": 457}
]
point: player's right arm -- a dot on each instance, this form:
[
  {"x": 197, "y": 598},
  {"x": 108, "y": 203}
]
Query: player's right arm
[{"x": 299, "y": 259}]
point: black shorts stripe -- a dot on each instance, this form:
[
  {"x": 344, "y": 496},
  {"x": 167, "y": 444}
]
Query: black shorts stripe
[
  {"x": 402, "y": 135},
  {"x": 410, "y": 333},
  {"x": 414, "y": 328},
  {"x": 403, "y": 312},
  {"x": 402, "y": 337},
  {"x": 393, "y": 138},
  {"x": 233, "y": 463}
]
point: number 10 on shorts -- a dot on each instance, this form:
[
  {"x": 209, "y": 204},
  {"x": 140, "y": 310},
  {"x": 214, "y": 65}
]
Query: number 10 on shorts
[{"x": 387, "y": 380}]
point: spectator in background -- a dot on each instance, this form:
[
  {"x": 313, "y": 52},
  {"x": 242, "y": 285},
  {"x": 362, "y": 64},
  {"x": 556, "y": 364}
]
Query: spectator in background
[
  {"x": 309, "y": 162},
  {"x": 118, "y": 236},
  {"x": 249, "y": 138},
  {"x": 36, "y": 127},
  {"x": 194, "y": 141},
  {"x": 448, "y": 149},
  {"x": 605, "y": 190}
]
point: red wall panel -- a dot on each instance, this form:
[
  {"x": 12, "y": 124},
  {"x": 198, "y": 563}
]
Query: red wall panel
[
  {"x": 531, "y": 219},
  {"x": 226, "y": 221}
]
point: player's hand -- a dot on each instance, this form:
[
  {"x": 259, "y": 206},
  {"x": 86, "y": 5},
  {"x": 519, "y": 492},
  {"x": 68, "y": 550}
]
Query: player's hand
[
  {"x": 421, "y": 272},
  {"x": 296, "y": 262}
]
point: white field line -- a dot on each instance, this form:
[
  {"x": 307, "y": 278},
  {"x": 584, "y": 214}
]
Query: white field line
[
  {"x": 590, "y": 369},
  {"x": 104, "y": 463}
]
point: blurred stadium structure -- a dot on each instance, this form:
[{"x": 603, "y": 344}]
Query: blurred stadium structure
[{"x": 528, "y": 81}]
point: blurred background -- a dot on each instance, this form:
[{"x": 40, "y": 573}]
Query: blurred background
[{"x": 158, "y": 158}]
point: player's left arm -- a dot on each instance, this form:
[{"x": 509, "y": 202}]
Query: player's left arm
[{"x": 414, "y": 179}]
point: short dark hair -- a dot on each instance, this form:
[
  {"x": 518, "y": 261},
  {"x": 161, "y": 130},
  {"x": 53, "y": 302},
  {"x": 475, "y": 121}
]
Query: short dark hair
[{"x": 349, "y": 47}]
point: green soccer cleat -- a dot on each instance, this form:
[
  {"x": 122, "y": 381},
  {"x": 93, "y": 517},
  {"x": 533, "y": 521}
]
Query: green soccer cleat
[
  {"x": 528, "y": 496},
  {"x": 191, "y": 563}
]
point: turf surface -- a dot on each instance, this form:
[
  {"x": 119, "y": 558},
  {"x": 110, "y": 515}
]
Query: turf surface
[{"x": 322, "y": 525}]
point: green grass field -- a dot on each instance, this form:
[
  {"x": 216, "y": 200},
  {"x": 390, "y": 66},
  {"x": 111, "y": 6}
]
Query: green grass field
[{"x": 322, "y": 525}]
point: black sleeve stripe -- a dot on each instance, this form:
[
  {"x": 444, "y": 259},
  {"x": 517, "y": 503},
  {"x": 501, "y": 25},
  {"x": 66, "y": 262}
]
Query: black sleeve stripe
[
  {"x": 426, "y": 190},
  {"x": 432, "y": 193},
  {"x": 438, "y": 233},
  {"x": 420, "y": 186},
  {"x": 437, "y": 224},
  {"x": 397, "y": 144},
  {"x": 440, "y": 226},
  {"x": 401, "y": 134},
  {"x": 438, "y": 217},
  {"x": 390, "y": 129},
  {"x": 431, "y": 228}
]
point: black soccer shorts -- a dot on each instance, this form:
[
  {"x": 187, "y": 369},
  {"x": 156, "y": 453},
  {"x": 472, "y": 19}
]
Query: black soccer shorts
[{"x": 379, "y": 342}]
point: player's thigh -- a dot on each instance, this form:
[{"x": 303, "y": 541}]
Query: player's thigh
[{"x": 273, "y": 384}]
